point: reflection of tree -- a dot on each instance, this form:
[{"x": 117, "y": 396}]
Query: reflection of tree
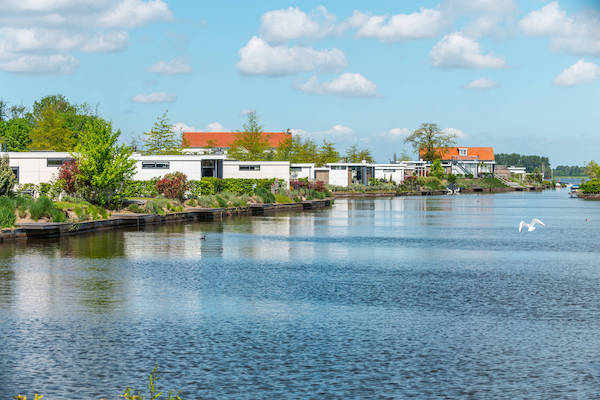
[
  {"x": 107, "y": 244},
  {"x": 7, "y": 278},
  {"x": 100, "y": 293}
]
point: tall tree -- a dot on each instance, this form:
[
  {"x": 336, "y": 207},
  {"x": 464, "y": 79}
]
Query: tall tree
[
  {"x": 430, "y": 140},
  {"x": 356, "y": 155},
  {"x": 15, "y": 133},
  {"x": 162, "y": 138},
  {"x": 3, "y": 110},
  {"x": 592, "y": 170},
  {"x": 328, "y": 153},
  {"x": 50, "y": 131},
  {"x": 103, "y": 164},
  {"x": 250, "y": 143}
]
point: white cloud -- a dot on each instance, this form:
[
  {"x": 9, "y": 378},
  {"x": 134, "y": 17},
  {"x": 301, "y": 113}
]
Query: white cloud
[
  {"x": 280, "y": 26},
  {"x": 478, "y": 6},
  {"x": 481, "y": 84},
  {"x": 36, "y": 64},
  {"x": 396, "y": 134},
  {"x": 215, "y": 127},
  {"x": 176, "y": 66},
  {"x": 423, "y": 24},
  {"x": 33, "y": 29},
  {"x": 578, "y": 34},
  {"x": 182, "y": 127},
  {"x": 347, "y": 84},
  {"x": 158, "y": 97},
  {"x": 456, "y": 50},
  {"x": 260, "y": 58},
  {"x": 340, "y": 130},
  {"x": 132, "y": 13},
  {"x": 456, "y": 132},
  {"x": 578, "y": 73}
]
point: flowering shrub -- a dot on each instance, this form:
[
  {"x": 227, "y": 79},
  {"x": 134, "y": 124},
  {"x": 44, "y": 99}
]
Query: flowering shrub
[
  {"x": 67, "y": 176},
  {"x": 319, "y": 186},
  {"x": 173, "y": 185}
]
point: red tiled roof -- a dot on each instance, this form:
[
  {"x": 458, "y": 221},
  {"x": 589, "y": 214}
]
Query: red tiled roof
[
  {"x": 479, "y": 153},
  {"x": 226, "y": 139}
]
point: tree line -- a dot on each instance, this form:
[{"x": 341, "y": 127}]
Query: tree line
[
  {"x": 569, "y": 170},
  {"x": 531, "y": 163}
]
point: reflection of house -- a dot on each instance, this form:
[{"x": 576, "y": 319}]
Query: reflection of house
[
  {"x": 466, "y": 160},
  {"x": 221, "y": 142}
]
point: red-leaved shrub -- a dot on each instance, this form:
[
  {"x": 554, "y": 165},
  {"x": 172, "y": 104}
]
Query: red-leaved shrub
[
  {"x": 67, "y": 175},
  {"x": 319, "y": 186},
  {"x": 173, "y": 185}
]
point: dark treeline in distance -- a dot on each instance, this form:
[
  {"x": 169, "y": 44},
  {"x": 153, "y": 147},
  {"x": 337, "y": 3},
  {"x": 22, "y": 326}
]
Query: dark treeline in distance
[
  {"x": 569, "y": 170},
  {"x": 531, "y": 163}
]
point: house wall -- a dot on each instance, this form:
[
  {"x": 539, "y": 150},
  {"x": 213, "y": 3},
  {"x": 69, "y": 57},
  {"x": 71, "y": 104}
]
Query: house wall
[
  {"x": 338, "y": 177},
  {"x": 268, "y": 170},
  {"x": 33, "y": 166},
  {"x": 306, "y": 171},
  {"x": 394, "y": 171}
]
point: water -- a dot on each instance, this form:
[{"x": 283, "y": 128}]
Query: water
[{"x": 425, "y": 297}]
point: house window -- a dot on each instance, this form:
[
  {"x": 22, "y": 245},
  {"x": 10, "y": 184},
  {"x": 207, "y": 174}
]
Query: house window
[
  {"x": 338, "y": 167},
  {"x": 56, "y": 162},
  {"x": 295, "y": 169},
  {"x": 155, "y": 165},
  {"x": 249, "y": 167},
  {"x": 15, "y": 171},
  {"x": 389, "y": 170},
  {"x": 462, "y": 152}
]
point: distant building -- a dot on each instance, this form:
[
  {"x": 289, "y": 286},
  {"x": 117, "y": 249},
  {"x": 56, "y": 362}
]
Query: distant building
[
  {"x": 466, "y": 160},
  {"x": 221, "y": 142}
]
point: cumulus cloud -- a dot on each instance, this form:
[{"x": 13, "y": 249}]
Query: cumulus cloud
[
  {"x": 423, "y": 24},
  {"x": 340, "y": 130},
  {"x": 347, "y": 84},
  {"x": 37, "y": 64},
  {"x": 456, "y": 132},
  {"x": 182, "y": 127},
  {"x": 176, "y": 66},
  {"x": 33, "y": 29},
  {"x": 396, "y": 134},
  {"x": 578, "y": 34},
  {"x": 260, "y": 58},
  {"x": 215, "y": 127},
  {"x": 456, "y": 50},
  {"x": 280, "y": 26},
  {"x": 157, "y": 97},
  {"x": 478, "y": 6},
  {"x": 578, "y": 73},
  {"x": 481, "y": 84}
]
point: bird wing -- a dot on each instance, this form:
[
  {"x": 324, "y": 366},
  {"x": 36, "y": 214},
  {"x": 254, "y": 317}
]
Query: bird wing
[
  {"x": 537, "y": 221},
  {"x": 521, "y": 225}
]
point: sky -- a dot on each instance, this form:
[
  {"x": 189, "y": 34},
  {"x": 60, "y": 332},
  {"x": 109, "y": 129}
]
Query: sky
[{"x": 518, "y": 75}]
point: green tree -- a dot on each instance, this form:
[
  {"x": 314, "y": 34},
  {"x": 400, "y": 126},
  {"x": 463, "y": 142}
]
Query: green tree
[
  {"x": 250, "y": 143},
  {"x": 3, "y": 110},
  {"x": 327, "y": 154},
  {"x": 355, "y": 155},
  {"x": 7, "y": 177},
  {"x": 104, "y": 166},
  {"x": 436, "y": 169},
  {"x": 162, "y": 139},
  {"x": 15, "y": 133},
  {"x": 592, "y": 170},
  {"x": 429, "y": 140},
  {"x": 50, "y": 131}
]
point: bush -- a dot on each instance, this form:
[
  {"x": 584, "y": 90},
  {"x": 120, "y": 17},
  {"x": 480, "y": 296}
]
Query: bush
[
  {"x": 192, "y": 203},
  {"x": 590, "y": 187},
  {"x": 7, "y": 177},
  {"x": 207, "y": 201},
  {"x": 67, "y": 176},
  {"x": 173, "y": 185},
  {"x": 304, "y": 183},
  {"x": 430, "y": 182},
  {"x": 135, "y": 208},
  {"x": 451, "y": 178},
  {"x": 221, "y": 202},
  {"x": 146, "y": 189},
  {"x": 42, "y": 207},
  {"x": 7, "y": 212},
  {"x": 281, "y": 198},
  {"x": 265, "y": 195}
]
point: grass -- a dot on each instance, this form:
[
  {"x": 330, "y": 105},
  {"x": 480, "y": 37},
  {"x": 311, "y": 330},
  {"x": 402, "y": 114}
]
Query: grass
[{"x": 281, "y": 198}]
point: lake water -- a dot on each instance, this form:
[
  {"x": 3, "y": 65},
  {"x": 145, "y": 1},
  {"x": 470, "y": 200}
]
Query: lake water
[{"x": 423, "y": 297}]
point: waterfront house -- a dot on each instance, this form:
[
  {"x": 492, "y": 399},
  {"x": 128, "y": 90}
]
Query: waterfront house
[
  {"x": 221, "y": 142},
  {"x": 466, "y": 160}
]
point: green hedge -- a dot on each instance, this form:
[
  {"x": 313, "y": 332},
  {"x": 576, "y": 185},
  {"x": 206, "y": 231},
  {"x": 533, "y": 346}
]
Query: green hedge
[
  {"x": 207, "y": 186},
  {"x": 590, "y": 187}
]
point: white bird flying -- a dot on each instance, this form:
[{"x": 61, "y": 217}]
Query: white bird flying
[{"x": 530, "y": 226}]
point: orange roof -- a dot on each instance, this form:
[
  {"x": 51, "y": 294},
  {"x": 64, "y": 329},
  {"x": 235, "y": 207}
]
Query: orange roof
[
  {"x": 473, "y": 153},
  {"x": 226, "y": 139}
]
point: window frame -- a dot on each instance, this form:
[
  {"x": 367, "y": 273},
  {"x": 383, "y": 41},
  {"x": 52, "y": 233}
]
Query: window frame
[
  {"x": 156, "y": 165},
  {"x": 249, "y": 167}
]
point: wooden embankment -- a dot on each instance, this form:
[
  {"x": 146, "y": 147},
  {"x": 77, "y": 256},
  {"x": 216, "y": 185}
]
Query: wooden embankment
[{"x": 53, "y": 229}]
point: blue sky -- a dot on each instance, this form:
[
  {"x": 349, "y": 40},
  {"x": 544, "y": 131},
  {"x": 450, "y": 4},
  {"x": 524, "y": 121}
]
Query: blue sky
[{"x": 521, "y": 76}]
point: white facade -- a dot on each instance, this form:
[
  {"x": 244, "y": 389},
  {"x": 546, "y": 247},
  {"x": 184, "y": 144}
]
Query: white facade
[
  {"x": 257, "y": 169},
  {"x": 36, "y": 166},
  {"x": 395, "y": 172},
  {"x": 193, "y": 166},
  {"x": 517, "y": 171},
  {"x": 302, "y": 171}
]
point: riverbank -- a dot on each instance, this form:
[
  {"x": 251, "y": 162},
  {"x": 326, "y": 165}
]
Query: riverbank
[
  {"x": 371, "y": 194},
  {"x": 37, "y": 230}
]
